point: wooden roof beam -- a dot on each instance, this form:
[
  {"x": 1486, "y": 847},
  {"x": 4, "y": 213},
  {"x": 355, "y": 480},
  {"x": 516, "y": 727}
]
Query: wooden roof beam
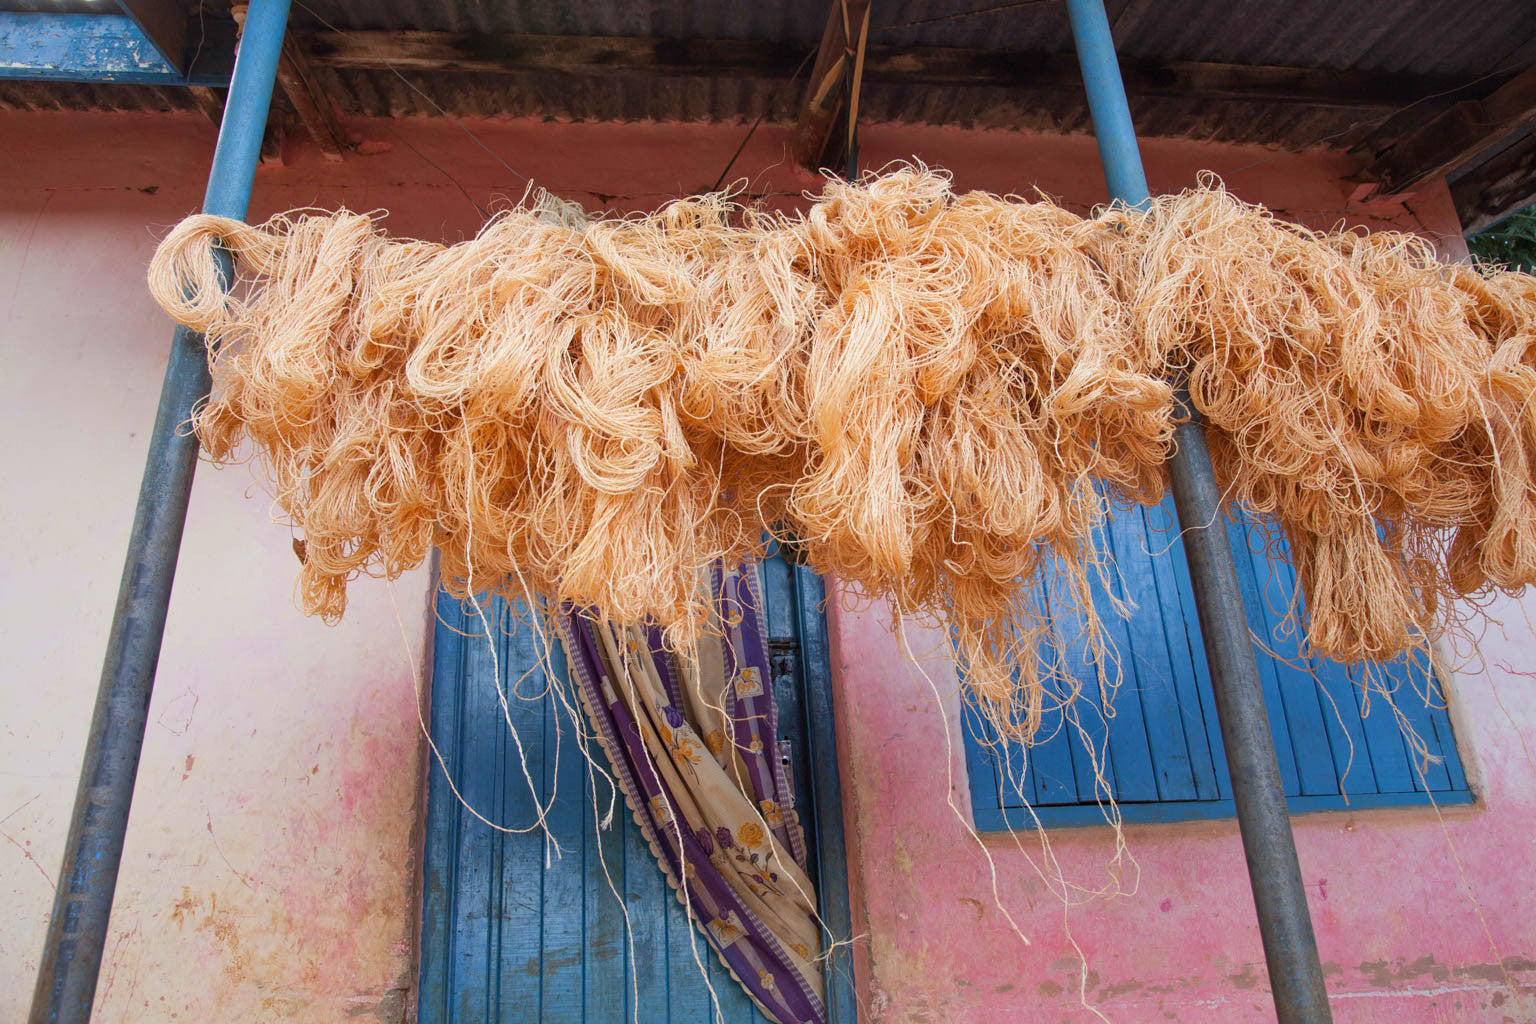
[
  {"x": 834, "y": 80},
  {"x": 209, "y": 101},
  {"x": 1493, "y": 190},
  {"x": 1453, "y": 137},
  {"x": 647, "y": 57},
  {"x": 297, "y": 80}
]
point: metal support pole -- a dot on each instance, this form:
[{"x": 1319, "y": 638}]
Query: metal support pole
[
  {"x": 77, "y": 931},
  {"x": 1290, "y": 948}
]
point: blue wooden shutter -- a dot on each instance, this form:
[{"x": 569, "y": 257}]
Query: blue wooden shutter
[
  {"x": 1160, "y": 752},
  {"x": 505, "y": 938}
]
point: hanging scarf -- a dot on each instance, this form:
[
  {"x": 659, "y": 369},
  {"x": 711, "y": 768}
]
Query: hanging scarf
[{"x": 693, "y": 745}]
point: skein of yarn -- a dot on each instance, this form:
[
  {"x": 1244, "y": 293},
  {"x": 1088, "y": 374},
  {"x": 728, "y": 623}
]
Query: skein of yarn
[{"x": 937, "y": 395}]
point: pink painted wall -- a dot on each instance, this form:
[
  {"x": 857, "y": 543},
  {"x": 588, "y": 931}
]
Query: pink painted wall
[
  {"x": 1402, "y": 935},
  {"x": 270, "y": 865}
]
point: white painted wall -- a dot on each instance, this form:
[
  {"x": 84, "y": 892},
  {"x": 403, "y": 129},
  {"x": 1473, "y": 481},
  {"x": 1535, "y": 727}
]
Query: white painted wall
[{"x": 269, "y": 869}]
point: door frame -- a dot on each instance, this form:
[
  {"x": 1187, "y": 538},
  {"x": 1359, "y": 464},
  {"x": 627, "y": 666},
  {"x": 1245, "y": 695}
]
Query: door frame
[{"x": 800, "y": 652}]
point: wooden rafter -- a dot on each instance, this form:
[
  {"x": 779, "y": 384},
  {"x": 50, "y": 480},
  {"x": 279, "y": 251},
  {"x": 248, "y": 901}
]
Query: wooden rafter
[
  {"x": 209, "y": 101},
  {"x": 1044, "y": 73},
  {"x": 1453, "y": 137},
  {"x": 835, "y": 77},
  {"x": 314, "y": 108},
  {"x": 1130, "y": 17},
  {"x": 1493, "y": 190}
]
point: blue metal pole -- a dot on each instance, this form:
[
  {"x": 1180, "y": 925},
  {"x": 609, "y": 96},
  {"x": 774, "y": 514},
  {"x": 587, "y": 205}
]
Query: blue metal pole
[
  {"x": 1112, "y": 126},
  {"x": 82, "y": 906},
  {"x": 1285, "y": 924}
]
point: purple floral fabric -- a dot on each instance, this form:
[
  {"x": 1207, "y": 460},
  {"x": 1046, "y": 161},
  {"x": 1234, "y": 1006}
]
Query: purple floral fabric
[{"x": 693, "y": 747}]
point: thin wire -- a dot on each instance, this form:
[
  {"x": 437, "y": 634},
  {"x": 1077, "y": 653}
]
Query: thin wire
[
  {"x": 202, "y": 37},
  {"x": 777, "y": 95},
  {"x": 438, "y": 167},
  {"x": 420, "y": 92}
]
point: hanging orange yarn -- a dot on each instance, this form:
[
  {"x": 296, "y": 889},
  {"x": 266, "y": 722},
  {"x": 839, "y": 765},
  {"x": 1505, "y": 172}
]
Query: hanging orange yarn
[{"x": 936, "y": 395}]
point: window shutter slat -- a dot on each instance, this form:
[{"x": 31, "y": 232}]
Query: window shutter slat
[
  {"x": 1148, "y": 661},
  {"x": 1414, "y": 692},
  {"x": 1455, "y": 774},
  {"x": 1266, "y": 595},
  {"x": 1383, "y": 741},
  {"x": 1050, "y": 761},
  {"x": 1269, "y": 675},
  {"x": 1161, "y": 754},
  {"x": 1087, "y": 730},
  {"x": 1160, "y": 535}
]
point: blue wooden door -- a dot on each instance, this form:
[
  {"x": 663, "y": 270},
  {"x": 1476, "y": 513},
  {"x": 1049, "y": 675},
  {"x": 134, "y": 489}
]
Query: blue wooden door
[{"x": 513, "y": 931}]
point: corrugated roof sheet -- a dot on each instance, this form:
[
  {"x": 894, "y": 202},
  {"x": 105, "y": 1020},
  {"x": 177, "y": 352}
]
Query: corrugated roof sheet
[
  {"x": 1451, "y": 38},
  {"x": 23, "y": 95},
  {"x": 1446, "y": 39},
  {"x": 791, "y": 20}
]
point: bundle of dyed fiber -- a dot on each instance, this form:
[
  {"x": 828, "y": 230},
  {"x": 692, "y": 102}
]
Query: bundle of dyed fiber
[
  {"x": 1374, "y": 401},
  {"x": 937, "y": 395}
]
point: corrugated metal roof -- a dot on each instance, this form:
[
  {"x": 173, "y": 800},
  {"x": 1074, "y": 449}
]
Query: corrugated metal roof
[
  {"x": 1436, "y": 38},
  {"x": 23, "y": 95},
  {"x": 1442, "y": 39},
  {"x": 1449, "y": 38},
  {"x": 700, "y": 19}
]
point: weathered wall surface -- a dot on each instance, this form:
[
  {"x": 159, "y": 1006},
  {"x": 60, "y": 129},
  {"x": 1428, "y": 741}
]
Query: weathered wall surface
[
  {"x": 268, "y": 869},
  {"x": 270, "y": 866},
  {"x": 1403, "y": 935}
]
